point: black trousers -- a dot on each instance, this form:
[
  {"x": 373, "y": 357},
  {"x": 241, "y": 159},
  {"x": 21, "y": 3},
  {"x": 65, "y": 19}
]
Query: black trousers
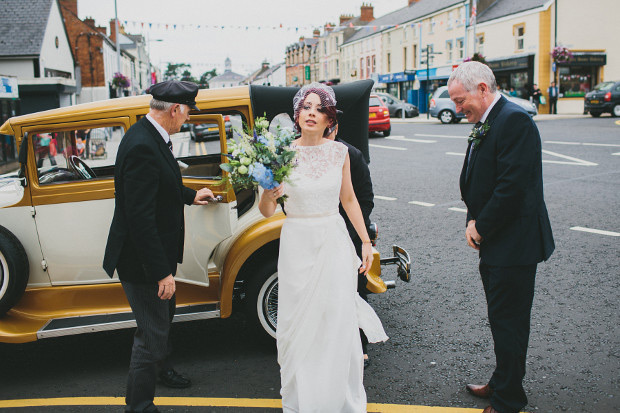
[
  {"x": 151, "y": 345},
  {"x": 509, "y": 292},
  {"x": 361, "y": 289},
  {"x": 553, "y": 106}
]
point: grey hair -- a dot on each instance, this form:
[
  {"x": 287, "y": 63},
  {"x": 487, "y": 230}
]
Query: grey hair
[
  {"x": 160, "y": 105},
  {"x": 471, "y": 74}
]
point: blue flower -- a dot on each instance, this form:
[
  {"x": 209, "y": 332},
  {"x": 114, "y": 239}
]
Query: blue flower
[
  {"x": 262, "y": 140},
  {"x": 262, "y": 175}
]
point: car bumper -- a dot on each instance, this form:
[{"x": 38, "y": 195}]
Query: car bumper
[
  {"x": 401, "y": 259},
  {"x": 379, "y": 126},
  {"x": 598, "y": 107}
]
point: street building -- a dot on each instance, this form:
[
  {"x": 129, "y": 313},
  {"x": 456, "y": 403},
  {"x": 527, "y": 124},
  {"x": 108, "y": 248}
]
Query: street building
[
  {"x": 36, "y": 50},
  {"x": 226, "y": 79}
]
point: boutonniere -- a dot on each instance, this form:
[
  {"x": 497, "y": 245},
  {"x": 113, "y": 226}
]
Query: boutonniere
[{"x": 478, "y": 133}]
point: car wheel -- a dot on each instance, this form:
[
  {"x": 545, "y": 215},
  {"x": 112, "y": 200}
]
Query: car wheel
[
  {"x": 446, "y": 116},
  {"x": 595, "y": 114},
  {"x": 616, "y": 110},
  {"x": 262, "y": 300},
  {"x": 387, "y": 132},
  {"x": 398, "y": 114},
  {"x": 14, "y": 270}
]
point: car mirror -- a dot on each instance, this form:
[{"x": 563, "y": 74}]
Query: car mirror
[{"x": 11, "y": 191}]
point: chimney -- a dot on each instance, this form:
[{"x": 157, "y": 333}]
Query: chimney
[
  {"x": 301, "y": 39},
  {"x": 366, "y": 13},
  {"x": 102, "y": 29},
  {"x": 90, "y": 22},
  {"x": 345, "y": 18},
  {"x": 316, "y": 33},
  {"x": 71, "y": 5},
  {"x": 413, "y": 1},
  {"x": 328, "y": 27},
  {"x": 113, "y": 30}
]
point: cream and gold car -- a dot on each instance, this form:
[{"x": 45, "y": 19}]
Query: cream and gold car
[{"x": 57, "y": 201}]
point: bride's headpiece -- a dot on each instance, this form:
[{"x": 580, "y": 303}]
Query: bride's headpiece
[{"x": 325, "y": 93}]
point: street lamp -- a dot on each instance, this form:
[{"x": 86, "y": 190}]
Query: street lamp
[{"x": 429, "y": 56}]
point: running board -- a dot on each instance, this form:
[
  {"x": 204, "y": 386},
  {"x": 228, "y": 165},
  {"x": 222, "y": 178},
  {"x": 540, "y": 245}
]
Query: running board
[{"x": 105, "y": 322}]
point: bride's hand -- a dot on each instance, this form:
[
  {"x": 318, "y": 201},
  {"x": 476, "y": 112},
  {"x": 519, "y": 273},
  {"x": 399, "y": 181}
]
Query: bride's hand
[
  {"x": 366, "y": 258},
  {"x": 275, "y": 193}
]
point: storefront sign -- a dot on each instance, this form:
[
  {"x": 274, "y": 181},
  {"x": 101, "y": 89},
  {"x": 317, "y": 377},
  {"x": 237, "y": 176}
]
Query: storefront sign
[
  {"x": 8, "y": 87},
  {"x": 587, "y": 59},
  {"x": 509, "y": 64},
  {"x": 397, "y": 77}
]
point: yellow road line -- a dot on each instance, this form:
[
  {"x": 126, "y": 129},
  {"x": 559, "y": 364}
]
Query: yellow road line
[
  {"x": 214, "y": 402},
  {"x": 618, "y": 122},
  {"x": 203, "y": 148}
]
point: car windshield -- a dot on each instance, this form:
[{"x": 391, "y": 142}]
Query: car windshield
[
  {"x": 604, "y": 86},
  {"x": 374, "y": 101}
]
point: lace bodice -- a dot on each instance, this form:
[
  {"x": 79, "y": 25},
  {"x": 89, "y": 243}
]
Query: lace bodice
[{"x": 314, "y": 189}]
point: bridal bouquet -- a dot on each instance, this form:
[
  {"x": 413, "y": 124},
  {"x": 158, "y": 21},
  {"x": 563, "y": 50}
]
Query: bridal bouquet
[{"x": 260, "y": 157}]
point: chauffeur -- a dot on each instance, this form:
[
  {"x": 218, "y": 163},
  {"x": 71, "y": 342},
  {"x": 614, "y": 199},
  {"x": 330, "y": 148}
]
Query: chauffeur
[{"x": 146, "y": 237}]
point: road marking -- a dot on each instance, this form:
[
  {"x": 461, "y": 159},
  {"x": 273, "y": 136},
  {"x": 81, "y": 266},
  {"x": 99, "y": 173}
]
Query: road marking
[
  {"x": 458, "y": 209},
  {"x": 618, "y": 122},
  {"x": 455, "y": 153},
  {"x": 402, "y": 138},
  {"x": 584, "y": 143},
  {"x": 617, "y": 153},
  {"x": 425, "y": 204},
  {"x": 441, "y": 136},
  {"x": 396, "y": 148},
  {"x": 216, "y": 402},
  {"x": 203, "y": 148},
  {"x": 596, "y": 231},
  {"x": 385, "y": 198},
  {"x": 575, "y": 161}
]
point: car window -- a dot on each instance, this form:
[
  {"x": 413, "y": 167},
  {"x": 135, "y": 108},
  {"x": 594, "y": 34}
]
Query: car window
[
  {"x": 374, "y": 101},
  {"x": 67, "y": 155},
  {"x": 198, "y": 146},
  {"x": 604, "y": 86},
  {"x": 8, "y": 154},
  {"x": 444, "y": 95}
]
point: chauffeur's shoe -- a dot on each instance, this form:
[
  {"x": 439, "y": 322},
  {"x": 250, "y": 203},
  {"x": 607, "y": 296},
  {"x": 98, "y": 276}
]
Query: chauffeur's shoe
[
  {"x": 171, "y": 378},
  {"x": 489, "y": 409},
  {"x": 479, "y": 390}
]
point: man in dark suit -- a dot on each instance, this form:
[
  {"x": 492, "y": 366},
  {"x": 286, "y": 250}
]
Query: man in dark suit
[
  {"x": 507, "y": 222},
  {"x": 362, "y": 186},
  {"x": 146, "y": 237}
]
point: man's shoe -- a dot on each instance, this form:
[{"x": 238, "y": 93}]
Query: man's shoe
[
  {"x": 171, "y": 378},
  {"x": 478, "y": 390},
  {"x": 489, "y": 409}
]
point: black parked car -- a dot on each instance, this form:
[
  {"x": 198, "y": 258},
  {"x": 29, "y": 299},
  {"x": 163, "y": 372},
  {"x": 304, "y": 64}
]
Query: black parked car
[
  {"x": 605, "y": 98},
  {"x": 207, "y": 131}
]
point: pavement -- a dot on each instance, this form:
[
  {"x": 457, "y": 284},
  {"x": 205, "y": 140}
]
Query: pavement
[{"x": 540, "y": 117}]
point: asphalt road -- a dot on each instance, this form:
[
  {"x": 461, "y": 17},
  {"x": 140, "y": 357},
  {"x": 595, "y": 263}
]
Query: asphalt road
[{"x": 439, "y": 335}]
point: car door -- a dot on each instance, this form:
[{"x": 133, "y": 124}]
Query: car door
[{"x": 207, "y": 225}]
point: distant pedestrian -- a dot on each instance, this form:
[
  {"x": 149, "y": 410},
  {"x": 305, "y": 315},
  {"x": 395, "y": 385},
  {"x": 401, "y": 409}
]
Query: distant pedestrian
[
  {"x": 536, "y": 95},
  {"x": 553, "y": 94},
  {"x": 512, "y": 92}
]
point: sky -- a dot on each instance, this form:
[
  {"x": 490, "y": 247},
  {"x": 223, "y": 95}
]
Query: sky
[{"x": 209, "y": 31}]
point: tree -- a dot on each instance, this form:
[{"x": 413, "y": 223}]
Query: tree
[
  {"x": 187, "y": 76},
  {"x": 206, "y": 76},
  {"x": 176, "y": 70}
]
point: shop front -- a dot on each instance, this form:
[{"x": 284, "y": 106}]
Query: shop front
[
  {"x": 9, "y": 107},
  {"x": 514, "y": 75},
  {"x": 398, "y": 84},
  {"x": 577, "y": 77},
  {"x": 429, "y": 81}
]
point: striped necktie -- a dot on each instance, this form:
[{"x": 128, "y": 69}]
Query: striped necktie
[{"x": 170, "y": 145}]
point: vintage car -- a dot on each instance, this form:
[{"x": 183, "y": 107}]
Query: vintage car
[{"x": 56, "y": 207}]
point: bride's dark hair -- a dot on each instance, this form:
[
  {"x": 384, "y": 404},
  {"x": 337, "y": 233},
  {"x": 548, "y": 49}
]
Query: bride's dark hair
[{"x": 332, "y": 116}]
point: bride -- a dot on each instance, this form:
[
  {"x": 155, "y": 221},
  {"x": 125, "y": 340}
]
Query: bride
[{"x": 319, "y": 310}]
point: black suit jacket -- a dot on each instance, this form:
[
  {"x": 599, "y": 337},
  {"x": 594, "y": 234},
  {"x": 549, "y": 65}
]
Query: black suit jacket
[
  {"x": 362, "y": 186},
  {"x": 503, "y": 190},
  {"x": 146, "y": 236}
]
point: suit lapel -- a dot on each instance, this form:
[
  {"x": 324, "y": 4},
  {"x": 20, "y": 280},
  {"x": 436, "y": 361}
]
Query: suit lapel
[
  {"x": 491, "y": 118},
  {"x": 163, "y": 148}
]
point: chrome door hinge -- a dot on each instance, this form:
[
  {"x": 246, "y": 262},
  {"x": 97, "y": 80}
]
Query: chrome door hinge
[
  {"x": 44, "y": 265},
  {"x": 33, "y": 211}
]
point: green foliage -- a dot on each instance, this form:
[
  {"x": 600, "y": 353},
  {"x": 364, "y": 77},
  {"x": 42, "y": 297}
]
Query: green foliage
[{"x": 176, "y": 70}]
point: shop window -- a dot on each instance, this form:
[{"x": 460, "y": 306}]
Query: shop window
[
  {"x": 480, "y": 43},
  {"x": 519, "y": 35},
  {"x": 576, "y": 81},
  {"x": 460, "y": 49},
  {"x": 449, "y": 50}
]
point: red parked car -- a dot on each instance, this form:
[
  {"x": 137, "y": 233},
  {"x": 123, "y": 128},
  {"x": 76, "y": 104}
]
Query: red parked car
[{"x": 378, "y": 116}]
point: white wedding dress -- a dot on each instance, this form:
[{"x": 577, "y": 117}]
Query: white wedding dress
[{"x": 319, "y": 310}]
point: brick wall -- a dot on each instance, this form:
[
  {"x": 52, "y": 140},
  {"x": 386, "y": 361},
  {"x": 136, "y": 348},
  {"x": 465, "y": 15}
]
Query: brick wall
[{"x": 86, "y": 45}]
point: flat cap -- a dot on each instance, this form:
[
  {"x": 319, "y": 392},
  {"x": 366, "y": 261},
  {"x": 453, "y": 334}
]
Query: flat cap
[{"x": 176, "y": 91}]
